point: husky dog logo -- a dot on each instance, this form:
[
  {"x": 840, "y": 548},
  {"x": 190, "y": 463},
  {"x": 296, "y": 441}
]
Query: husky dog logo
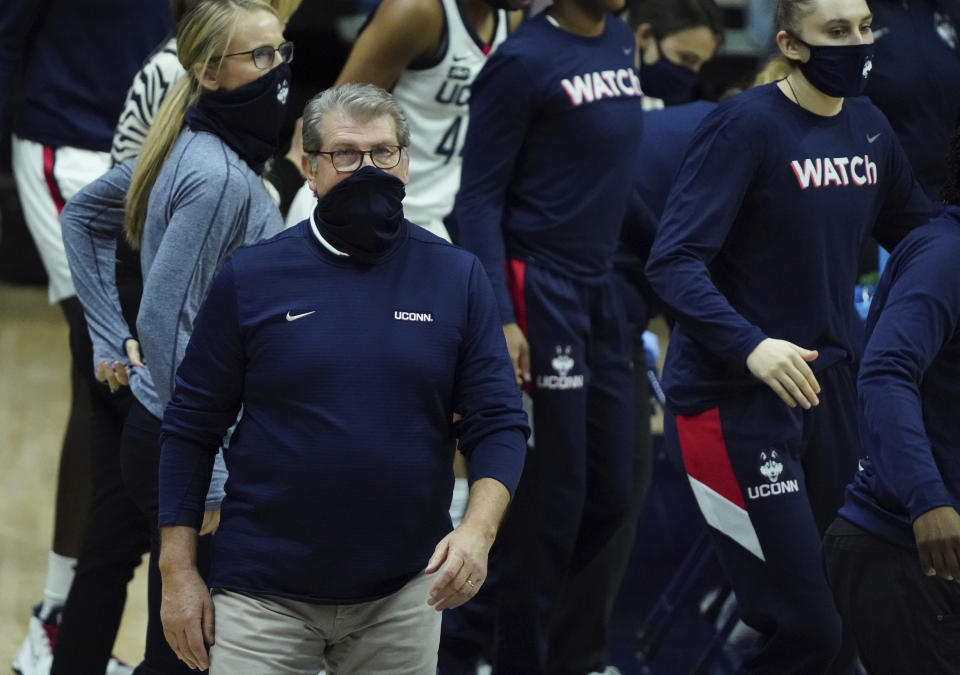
[
  {"x": 770, "y": 465},
  {"x": 283, "y": 89},
  {"x": 771, "y": 468},
  {"x": 946, "y": 29},
  {"x": 867, "y": 67},
  {"x": 562, "y": 362}
]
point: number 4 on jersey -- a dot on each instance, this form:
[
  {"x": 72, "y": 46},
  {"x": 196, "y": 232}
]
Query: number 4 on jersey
[{"x": 450, "y": 141}]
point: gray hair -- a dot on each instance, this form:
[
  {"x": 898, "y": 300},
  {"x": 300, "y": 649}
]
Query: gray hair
[{"x": 359, "y": 101}]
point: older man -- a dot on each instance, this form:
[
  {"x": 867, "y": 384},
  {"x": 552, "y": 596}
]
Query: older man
[{"x": 350, "y": 340}]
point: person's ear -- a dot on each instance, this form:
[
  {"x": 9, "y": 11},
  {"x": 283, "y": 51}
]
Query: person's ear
[
  {"x": 309, "y": 171},
  {"x": 207, "y": 76},
  {"x": 791, "y": 47},
  {"x": 644, "y": 35},
  {"x": 404, "y": 174},
  {"x": 647, "y": 51}
]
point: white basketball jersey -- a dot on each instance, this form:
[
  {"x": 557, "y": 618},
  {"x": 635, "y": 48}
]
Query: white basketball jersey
[{"x": 435, "y": 101}]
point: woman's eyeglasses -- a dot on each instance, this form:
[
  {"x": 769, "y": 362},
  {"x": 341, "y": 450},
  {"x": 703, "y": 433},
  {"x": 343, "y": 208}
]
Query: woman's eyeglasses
[{"x": 263, "y": 56}]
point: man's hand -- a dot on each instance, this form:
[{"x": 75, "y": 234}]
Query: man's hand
[
  {"x": 782, "y": 366},
  {"x": 186, "y": 612},
  {"x": 117, "y": 374},
  {"x": 461, "y": 558},
  {"x": 519, "y": 352},
  {"x": 938, "y": 542}
]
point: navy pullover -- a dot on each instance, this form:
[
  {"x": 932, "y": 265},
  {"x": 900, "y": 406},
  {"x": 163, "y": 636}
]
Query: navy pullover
[
  {"x": 762, "y": 232},
  {"x": 341, "y": 467},
  {"x": 79, "y": 58},
  {"x": 910, "y": 387},
  {"x": 666, "y": 133},
  {"x": 915, "y": 79},
  {"x": 550, "y": 153}
]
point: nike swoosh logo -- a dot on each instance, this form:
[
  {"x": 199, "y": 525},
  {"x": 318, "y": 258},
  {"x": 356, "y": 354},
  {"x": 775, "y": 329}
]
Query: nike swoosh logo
[
  {"x": 460, "y": 58},
  {"x": 294, "y": 317},
  {"x": 871, "y": 139},
  {"x": 627, "y": 51}
]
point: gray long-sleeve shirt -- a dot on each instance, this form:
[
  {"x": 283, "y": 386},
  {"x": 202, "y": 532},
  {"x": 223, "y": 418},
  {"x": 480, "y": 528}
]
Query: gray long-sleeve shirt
[{"x": 205, "y": 204}]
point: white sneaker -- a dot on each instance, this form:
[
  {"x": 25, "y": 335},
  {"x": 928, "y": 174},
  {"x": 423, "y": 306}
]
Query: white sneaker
[
  {"x": 117, "y": 667},
  {"x": 36, "y": 652}
]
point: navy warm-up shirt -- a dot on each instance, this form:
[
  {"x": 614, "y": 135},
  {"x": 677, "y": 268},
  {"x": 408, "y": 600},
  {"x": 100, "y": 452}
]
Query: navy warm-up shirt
[
  {"x": 910, "y": 387},
  {"x": 341, "y": 466},
  {"x": 762, "y": 231},
  {"x": 550, "y": 154},
  {"x": 79, "y": 59},
  {"x": 915, "y": 79},
  {"x": 666, "y": 133}
]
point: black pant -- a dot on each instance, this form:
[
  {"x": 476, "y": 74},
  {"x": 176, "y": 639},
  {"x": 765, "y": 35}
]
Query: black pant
[
  {"x": 141, "y": 457},
  {"x": 903, "y": 621},
  {"x": 115, "y": 537}
]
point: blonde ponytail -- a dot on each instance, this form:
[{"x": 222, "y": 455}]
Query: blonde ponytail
[
  {"x": 203, "y": 35},
  {"x": 156, "y": 148}
]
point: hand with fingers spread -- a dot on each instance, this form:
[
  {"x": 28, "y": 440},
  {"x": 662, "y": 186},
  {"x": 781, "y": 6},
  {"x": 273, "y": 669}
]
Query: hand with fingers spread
[
  {"x": 519, "y": 350},
  {"x": 784, "y": 367},
  {"x": 460, "y": 563},
  {"x": 938, "y": 542}
]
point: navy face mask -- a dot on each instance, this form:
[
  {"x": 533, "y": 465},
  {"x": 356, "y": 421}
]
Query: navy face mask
[
  {"x": 247, "y": 118},
  {"x": 362, "y": 215},
  {"x": 838, "y": 70},
  {"x": 668, "y": 81}
]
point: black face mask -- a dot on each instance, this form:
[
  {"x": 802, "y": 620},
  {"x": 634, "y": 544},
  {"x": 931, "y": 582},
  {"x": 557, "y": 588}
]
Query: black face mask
[
  {"x": 362, "y": 215},
  {"x": 838, "y": 70},
  {"x": 247, "y": 118},
  {"x": 668, "y": 81}
]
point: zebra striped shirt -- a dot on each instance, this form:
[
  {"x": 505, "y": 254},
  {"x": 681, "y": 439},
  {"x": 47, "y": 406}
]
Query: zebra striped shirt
[{"x": 150, "y": 85}]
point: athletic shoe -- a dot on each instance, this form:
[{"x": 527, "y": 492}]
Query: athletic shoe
[
  {"x": 36, "y": 653},
  {"x": 117, "y": 667}
]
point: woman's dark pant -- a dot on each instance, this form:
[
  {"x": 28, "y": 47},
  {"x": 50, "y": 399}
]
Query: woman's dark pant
[{"x": 141, "y": 457}]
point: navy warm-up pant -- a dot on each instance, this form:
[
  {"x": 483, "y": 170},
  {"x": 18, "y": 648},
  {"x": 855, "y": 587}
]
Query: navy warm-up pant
[
  {"x": 577, "y": 481},
  {"x": 769, "y": 480}
]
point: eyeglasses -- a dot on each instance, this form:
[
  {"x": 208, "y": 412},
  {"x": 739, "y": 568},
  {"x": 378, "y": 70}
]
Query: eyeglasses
[
  {"x": 348, "y": 161},
  {"x": 263, "y": 56}
]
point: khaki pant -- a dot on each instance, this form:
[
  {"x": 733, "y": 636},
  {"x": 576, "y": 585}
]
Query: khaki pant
[{"x": 395, "y": 635}]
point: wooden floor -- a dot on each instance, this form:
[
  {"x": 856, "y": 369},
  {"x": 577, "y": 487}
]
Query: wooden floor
[{"x": 34, "y": 398}]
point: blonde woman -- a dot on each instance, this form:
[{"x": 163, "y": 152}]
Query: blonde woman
[{"x": 195, "y": 196}]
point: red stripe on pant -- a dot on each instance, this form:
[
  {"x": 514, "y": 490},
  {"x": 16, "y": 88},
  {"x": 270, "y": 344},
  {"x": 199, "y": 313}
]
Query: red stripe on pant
[
  {"x": 515, "y": 270},
  {"x": 705, "y": 455},
  {"x": 48, "y": 160}
]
